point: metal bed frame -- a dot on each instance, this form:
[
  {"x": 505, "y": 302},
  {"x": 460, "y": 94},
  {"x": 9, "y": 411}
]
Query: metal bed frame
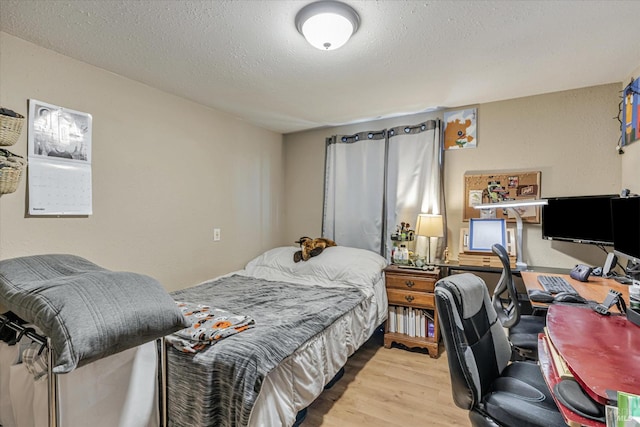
[{"x": 52, "y": 378}]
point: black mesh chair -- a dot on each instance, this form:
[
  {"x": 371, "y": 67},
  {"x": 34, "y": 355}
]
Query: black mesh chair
[
  {"x": 523, "y": 329},
  {"x": 495, "y": 390}
]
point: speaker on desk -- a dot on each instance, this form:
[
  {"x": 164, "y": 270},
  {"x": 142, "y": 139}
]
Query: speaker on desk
[{"x": 609, "y": 264}]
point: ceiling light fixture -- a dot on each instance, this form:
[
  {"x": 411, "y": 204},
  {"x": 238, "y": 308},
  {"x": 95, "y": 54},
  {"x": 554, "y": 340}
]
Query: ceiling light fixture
[{"x": 327, "y": 24}]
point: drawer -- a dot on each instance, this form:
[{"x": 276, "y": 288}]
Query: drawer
[
  {"x": 408, "y": 282},
  {"x": 410, "y": 298}
]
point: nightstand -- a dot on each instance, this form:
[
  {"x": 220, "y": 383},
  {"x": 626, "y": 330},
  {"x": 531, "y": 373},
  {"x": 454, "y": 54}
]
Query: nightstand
[{"x": 413, "y": 317}]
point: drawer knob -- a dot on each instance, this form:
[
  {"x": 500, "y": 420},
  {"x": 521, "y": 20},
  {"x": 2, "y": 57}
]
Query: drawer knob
[
  {"x": 409, "y": 283},
  {"x": 409, "y": 298}
]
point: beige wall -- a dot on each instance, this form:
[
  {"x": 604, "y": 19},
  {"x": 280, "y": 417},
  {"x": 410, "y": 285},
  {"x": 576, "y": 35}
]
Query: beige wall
[
  {"x": 166, "y": 171},
  {"x": 569, "y": 136}
]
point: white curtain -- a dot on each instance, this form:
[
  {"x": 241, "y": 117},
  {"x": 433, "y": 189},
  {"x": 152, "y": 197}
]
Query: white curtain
[
  {"x": 375, "y": 180},
  {"x": 354, "y": 189},
  {"x": 414, "y": 177}
]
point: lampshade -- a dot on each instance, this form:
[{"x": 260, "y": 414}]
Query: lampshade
[
  {"x": 430, "y": 225},
  {"x": 327, "y": 24}
]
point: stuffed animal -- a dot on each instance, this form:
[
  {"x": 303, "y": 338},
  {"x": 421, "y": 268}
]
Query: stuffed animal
[{"x": 311, "y": 247}]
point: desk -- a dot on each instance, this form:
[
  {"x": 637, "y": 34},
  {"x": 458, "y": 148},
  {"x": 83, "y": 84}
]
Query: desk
[
  {"x": 600, "y": 351},
  {"x": 595, "y": 289},
  {"x": 447, "y": 268}
]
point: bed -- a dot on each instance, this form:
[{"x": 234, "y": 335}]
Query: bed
[
  {"x": 337, "y": 299},
  {"x": 308, "y": 318}
]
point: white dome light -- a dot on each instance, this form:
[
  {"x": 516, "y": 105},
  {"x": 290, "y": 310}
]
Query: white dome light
[{"x": 327, "y": 25}]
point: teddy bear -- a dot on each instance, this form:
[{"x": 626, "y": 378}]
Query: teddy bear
[{"x": 311, "y": 247}]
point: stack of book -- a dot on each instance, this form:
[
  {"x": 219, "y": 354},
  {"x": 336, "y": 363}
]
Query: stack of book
[{"x": 414, "y": 322}]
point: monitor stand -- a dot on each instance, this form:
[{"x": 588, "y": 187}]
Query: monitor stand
[
  {"x": 633, "y": 270},
  {"x": 609, "y": 264}
]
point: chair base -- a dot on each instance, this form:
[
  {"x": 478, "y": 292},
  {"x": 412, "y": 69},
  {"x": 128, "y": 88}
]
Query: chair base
[{"x": 480, "y": 420}]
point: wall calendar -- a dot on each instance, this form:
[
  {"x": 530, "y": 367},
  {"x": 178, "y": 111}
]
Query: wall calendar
[{"x": 59, "y": 144}]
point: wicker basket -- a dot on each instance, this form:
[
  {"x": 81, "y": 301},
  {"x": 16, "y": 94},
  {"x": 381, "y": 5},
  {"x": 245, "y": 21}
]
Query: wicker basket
[
  {"x": 10, "y": 128},
  {"x": 11, "y": 167}
]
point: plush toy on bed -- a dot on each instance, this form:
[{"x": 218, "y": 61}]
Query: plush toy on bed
[{"x": 311, "y": 247}]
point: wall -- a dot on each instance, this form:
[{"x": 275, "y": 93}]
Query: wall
[
  {"x": 166, "y": 171},
  {"x": 569, "y": 136}
]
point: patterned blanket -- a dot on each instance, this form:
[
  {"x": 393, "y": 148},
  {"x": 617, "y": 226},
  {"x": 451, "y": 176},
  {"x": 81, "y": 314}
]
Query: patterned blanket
[
  {"x": 219, "y": 385},
  {"x": 208, "y": 326}
]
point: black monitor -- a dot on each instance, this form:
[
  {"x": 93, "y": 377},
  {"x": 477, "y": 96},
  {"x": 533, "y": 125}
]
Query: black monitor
[
  {"x": 625, "y": 212},
  {"x": 578, "y": 219}
]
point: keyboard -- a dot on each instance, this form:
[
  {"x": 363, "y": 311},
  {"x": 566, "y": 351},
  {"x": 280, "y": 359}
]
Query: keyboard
[{"x": 555, "y": 284}]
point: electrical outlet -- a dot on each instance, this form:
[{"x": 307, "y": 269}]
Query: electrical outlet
[{"x": 216, "y": 234}]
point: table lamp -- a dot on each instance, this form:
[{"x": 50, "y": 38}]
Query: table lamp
[
  {"x": 429, "y": 225},
  {"x": 512, "y": 205}
]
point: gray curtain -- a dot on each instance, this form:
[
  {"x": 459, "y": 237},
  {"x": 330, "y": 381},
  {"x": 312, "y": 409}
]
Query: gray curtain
[
  {"x": 375, "y": 180},
  {"x": 414, "y": 178},
  {"x": 354, "y": 190}
]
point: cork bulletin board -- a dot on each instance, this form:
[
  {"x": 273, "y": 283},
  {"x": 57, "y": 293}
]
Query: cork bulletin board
[{"x": 502, "y": 186}]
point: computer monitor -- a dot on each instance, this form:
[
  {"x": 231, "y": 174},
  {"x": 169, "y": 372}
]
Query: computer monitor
[
  {"x": 625, "y": 214},
  {"x": 484, "y": 233},
  {"x": 564, "y": 218}
]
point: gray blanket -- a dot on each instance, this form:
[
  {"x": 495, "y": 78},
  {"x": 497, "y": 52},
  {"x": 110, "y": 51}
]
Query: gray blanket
[
  {"x": 219, "y": 386},
  {"x": 87, "y": 311}
]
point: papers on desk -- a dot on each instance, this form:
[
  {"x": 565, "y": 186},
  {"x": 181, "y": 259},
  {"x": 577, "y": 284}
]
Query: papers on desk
[{"x": 558, "y": 362}]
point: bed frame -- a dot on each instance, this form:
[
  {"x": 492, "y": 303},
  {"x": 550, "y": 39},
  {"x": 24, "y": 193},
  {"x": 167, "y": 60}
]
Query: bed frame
[{"x": 52, "y": 378}]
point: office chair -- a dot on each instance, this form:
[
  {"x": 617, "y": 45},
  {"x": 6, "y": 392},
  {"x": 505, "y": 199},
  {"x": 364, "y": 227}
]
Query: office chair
[
  {"x": 496, "y": 392},
  {"x": 523, "y": 329}
]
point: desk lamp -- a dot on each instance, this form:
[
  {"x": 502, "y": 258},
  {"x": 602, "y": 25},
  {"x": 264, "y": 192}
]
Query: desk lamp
[
  {"x": 512, "y": 205},
  {"x": 429, "y": 225}
]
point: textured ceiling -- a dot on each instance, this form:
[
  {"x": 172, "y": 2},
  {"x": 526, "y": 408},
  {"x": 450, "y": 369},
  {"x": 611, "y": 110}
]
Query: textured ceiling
[{"x": 247, "y": 58}]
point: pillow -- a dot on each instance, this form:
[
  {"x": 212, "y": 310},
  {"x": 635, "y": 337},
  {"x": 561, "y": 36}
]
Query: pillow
[
  {"x": 87, "y": 312},
  {"x": 335, "y": 264}
]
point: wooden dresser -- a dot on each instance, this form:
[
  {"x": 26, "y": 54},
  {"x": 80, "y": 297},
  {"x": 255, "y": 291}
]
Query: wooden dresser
[{"x": 413, "y": 317}]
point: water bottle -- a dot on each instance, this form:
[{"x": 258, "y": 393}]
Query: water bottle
[
  {"x": 404, "y": 254},
  {"x": 396, "y": 256}
]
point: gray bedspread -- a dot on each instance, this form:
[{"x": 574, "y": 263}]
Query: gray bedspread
[{"x": 219, "y": 386}]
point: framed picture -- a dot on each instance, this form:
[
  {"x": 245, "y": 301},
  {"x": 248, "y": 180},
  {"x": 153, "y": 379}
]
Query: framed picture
[
  {"x": 461, "y": 129},
  {"x": 630, "y": 113}
]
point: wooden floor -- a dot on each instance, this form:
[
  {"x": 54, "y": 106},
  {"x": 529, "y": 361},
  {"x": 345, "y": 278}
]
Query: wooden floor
[{"x": 389, "y": 387}]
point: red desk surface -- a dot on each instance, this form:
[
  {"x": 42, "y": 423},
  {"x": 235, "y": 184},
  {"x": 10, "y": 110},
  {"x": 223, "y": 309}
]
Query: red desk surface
[{"x": 602, "y": 352}]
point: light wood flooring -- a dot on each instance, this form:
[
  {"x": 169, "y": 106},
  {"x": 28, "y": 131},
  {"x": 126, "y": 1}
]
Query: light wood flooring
[{"x": 389, "y": 387}]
